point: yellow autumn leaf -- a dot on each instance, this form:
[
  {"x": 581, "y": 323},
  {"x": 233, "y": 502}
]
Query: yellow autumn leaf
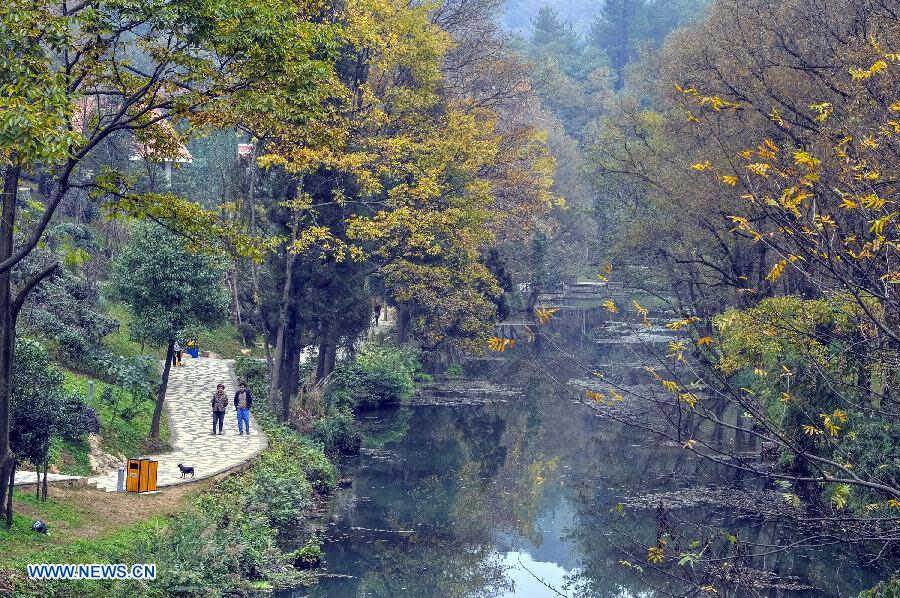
[
  {"x": 675, "y": 325},
  {"x": 811, "y": 430},
  {"x": 689, "y": 398},
  {"x": 776, "y": 271},
  {"x": 671, "y": 386},
  {"x": 760, "y": 168},
  {"x": 545, "y": 314}
]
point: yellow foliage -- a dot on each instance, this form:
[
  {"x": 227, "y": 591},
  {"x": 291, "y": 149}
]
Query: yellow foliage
[
  {"x": 775, "y": 117},
  {"x": 760, "y": 168},
  {"x": 499, "y": 345},
  {"x": 689, "y": 398},
  {"x": 671, "y": 386},
  {"x": 776, "y": 271},
  {"x": 704, "y": 340},
  {"x": 847, "y": 203},
  {"x": 824, "y": 110},
  {"x": 682, "y": 323},
  {"x": 597, "y": 397},
  {"x": 872, "y": 201},
  {"x": 545, "y": 314},
  {"x": 642, "y": 311},
  {"x": 802, "y": 158},
  {"x": 730, "y": 180},
  {"x": 880, "y": 224},
  {"x": 877, "y": 67},
  {"x": 811, "y": 430},
  {"x": 610, "y": 306}
]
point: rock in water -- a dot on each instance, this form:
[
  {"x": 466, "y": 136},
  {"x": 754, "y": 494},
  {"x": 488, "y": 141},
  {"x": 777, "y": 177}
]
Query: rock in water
[{"x": 39, "y": 526}]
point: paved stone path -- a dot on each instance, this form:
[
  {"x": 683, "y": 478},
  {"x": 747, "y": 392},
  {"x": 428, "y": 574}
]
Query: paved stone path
[
  {"x": 190, "y": 423},
  {"x": 24, "y": 478}
]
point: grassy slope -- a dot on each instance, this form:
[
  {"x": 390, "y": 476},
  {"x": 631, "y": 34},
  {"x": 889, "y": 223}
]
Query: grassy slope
[
  {"x": 121, "y": 435},
  {"x": 224, "y": 340},
  {"x": 86, "y": 526}
]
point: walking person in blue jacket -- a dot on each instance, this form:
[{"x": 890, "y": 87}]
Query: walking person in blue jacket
[{"x": 242, "y": 402}]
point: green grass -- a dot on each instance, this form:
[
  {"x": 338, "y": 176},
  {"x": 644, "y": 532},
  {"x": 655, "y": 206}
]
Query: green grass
[
  {"x": 120, "y": 342},
  {"x": 51, "y": 510},
  {"x": 126, "y": 545},
  {"x": 71, "y": 456},
  {"x": 224, "y": 340},
  {"x": 122, "y": 436}
]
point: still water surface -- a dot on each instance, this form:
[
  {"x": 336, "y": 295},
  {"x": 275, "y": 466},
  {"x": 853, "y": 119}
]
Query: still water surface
[{"x": 506, "y": 499}]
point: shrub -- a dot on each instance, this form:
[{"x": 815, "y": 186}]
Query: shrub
[
  {"x": 74, "y": 348},
  {"x": 255, "y": 374},
  {"x": 886, "y": 589},
  {"x": 308, "y": 557},
  {"x": 282, "y": 499},
  {"x": 454, "y": 372},
  {"x": 378, "y": 375},
  {"x": 338, "y": 434},
  {"x": 305, "y": 454}
]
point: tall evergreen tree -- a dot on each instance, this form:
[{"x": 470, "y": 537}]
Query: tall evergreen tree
[{"x": 616, "y": 32}]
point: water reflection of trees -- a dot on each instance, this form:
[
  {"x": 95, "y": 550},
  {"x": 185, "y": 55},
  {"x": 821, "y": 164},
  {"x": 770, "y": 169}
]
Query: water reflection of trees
[
  {"x": 609, "y": 460},
  {"x": 469, "y": 479},
  {"x": 458, "y": 478}
]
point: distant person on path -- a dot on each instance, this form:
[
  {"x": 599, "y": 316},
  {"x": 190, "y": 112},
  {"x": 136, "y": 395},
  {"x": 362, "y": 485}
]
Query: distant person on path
[
  {"x": 219, "y": 403},
  {"x": 176, "y": 353},
  {"x": 242, "y": 402},
  {"x": 377, "y": 311}
]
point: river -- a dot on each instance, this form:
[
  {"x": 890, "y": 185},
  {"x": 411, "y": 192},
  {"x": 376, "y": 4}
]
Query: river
[{"x": 538, "y": 495}]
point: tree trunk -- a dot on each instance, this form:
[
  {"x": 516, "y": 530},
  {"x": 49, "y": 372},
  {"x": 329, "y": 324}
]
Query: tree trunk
[
  {"x": 403, "y": 321},
  {"x": 290, "y": 364},
  {"x": 161, "y": 394},
  {"x": 322, "y": 353},
  {"x": 236, "y": 312},
  {"x": 44, "y": 487},
  {"x": 330, "y": 357},
  {"x": 7, "y": 326},
  {"x": 9, "y": 494},
  {"x": 278, "y": 358},
  {"x": 268, "y": 350}
]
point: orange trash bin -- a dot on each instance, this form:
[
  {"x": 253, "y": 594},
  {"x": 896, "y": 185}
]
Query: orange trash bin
[
  {"x": 132, "y": 474},
  {"x": 141, "y": 475}
]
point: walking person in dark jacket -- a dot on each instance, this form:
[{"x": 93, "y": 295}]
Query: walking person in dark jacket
[
  {"x": 242, "y": 403},
  {"x": 219, "y": 403}
]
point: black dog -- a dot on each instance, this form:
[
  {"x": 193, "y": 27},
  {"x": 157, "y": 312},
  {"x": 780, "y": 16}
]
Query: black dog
[{"x": 186, "y": 470}]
